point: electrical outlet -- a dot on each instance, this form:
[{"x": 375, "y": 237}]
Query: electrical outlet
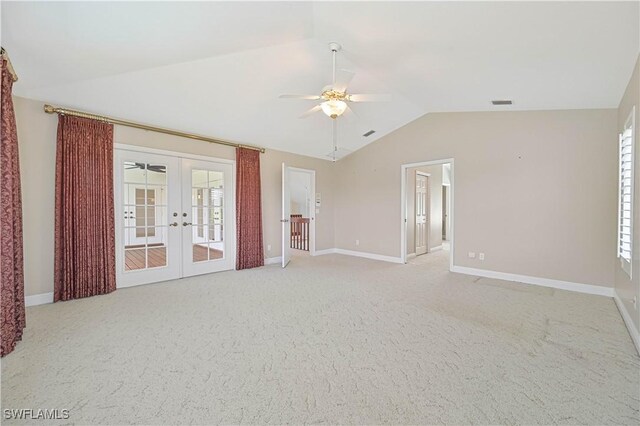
[
  {"x": 269, "y": 247},
  {"x": 472, "y": 255},
  {"x": 481, "y": 256},
  {"x": 357, "y": 242}
]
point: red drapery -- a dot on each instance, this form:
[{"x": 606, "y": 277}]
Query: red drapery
[
  {"x": 11, "y": 256},
  {"x": 85, "y": 224},
  {"x": 248, "y": 209}
]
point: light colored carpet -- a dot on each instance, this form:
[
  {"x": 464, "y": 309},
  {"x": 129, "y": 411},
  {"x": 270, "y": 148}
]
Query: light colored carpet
[{"x": 331, "y": 339}]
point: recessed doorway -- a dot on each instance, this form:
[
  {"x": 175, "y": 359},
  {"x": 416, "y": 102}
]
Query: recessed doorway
[
  {"x": 426, "y": 206},
  {"x": 298, "y": 212}
]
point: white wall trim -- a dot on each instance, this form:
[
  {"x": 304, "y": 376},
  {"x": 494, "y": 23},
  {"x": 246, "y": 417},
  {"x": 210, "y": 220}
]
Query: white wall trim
[
  {"x": 38, "y": 299},
  {"x": 369, "y": 255},
  {"x": 411, "y": 256},
  {"x": 544, "y": 282},
  {"x": 272, "y": 260},
  {"x": 436, "y": 248},
  {"x": 626, "y": 317},
  {"x": 323, "y": 252}
]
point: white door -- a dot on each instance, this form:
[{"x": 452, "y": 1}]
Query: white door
[
  {"x": 422, "y": 213},
  {"x": 175, "y": 217},
  {"x": 286, "y": 214},
  {"x": 147, "y": 195},
  {"x": 207, "y": 218}
]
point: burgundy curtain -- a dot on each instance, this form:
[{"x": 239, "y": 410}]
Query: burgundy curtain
[
  {"x": 11, "y": 260},
  {"x": 248, "y": 209},
  {"x": 85, "y": 228}
]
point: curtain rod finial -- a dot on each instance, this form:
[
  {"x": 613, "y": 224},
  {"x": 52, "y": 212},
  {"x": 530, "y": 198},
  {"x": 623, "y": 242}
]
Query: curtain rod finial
[{"x": 49, "y": 109}]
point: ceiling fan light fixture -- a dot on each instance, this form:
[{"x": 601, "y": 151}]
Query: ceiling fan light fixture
[{"x": 333, "y": 107}]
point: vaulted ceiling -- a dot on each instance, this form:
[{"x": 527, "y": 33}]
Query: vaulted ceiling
[{"x": 217, "y": 68}]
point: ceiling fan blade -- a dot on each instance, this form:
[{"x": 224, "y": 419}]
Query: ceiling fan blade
[
  {"x": 311, "y": 111},
  {"x": 350, "y": 114},
  {"x": 369, "y": 98},
  {"x": 343, "y": 78},
  {"x": 308, "y": 97}
]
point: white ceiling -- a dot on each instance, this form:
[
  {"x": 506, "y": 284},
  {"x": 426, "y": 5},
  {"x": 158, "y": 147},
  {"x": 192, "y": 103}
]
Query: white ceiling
[{"x": 218, "y": 68}]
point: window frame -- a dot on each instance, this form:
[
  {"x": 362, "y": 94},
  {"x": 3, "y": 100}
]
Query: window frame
[{"x": 630, "y": 123}]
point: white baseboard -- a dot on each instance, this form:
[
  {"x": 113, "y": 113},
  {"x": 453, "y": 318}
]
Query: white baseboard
[
  {"x": 411, "y": 256},
  {"x": 436, "y": 248},
  {"x": 38, "y": 299},
  {"x": 633, "y": 331},
  {"x": 369, "y": 255},
  {"x": 272, "y": 260},
  {"x": 325, "y": 251},
  {"x": 544, "y": 282}
]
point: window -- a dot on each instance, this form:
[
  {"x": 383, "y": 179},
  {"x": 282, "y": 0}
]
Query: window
[{"x": 625, "y": 193}]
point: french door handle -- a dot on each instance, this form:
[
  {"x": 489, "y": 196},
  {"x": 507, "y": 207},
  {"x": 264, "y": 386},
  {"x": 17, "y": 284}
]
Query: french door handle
[
  {"x": 284, "y": 220},
  {"x": 186, "y": 223},
  {"x": 173, "y": 224}
]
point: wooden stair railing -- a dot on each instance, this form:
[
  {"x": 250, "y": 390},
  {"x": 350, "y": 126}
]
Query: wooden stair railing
[{"x": 299, "y": 232}]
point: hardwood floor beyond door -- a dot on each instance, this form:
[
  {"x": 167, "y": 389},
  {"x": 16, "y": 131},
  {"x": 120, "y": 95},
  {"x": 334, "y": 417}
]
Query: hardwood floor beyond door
[{"x": 157, "y": 256}]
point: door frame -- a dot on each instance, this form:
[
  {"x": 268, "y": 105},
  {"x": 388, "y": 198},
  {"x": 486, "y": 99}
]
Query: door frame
[
  {"x": 403, "y": 206},
  {"x": 428, "y": 213},
  {"x": 176, "y": 154},
  {"x": 312, "y": 207},
  {"x": 446, "y": 207}
]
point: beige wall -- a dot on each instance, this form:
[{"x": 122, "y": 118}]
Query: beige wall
[
  {"x": 435, "y": 196},
  {"x": 628, "y": 288},
  {"x": 533, "y": 190},
  {"x": 37, "y": 136}
]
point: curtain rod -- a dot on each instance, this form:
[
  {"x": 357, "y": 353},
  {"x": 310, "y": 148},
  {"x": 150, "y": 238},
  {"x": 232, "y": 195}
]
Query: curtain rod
[
  {"x": 5, "y": 56},
  {"x": 49, "y": 109}
]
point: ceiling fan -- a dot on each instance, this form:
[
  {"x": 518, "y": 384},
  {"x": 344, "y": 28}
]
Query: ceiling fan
[
  {"x": 335, "y": 97},
  {"x": 143, "y": 166}
]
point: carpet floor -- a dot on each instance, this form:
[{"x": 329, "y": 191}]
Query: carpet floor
[{"x": 331, "y": 339}]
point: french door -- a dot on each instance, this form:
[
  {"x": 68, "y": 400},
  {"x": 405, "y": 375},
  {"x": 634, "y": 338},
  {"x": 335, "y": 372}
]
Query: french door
[{"x": 175, "y": 217}]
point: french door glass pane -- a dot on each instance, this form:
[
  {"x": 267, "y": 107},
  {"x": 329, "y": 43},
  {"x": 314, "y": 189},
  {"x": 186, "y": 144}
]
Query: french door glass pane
[
  {"x": 144, "y": 215},
  {"x": 207, "y": 205}
]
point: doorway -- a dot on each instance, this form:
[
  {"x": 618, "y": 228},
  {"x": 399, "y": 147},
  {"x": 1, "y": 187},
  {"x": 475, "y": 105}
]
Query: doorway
[
  {"x": 422, "y": 212},
  {"x": 427, "y": 210},
  {"x": 175, "y": 216},
  {"x": 298, "y": 212}
]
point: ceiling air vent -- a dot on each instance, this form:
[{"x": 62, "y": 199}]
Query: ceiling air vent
[
  {"x": 369, "y": 133},
  {"x": 502, "y": 102}
]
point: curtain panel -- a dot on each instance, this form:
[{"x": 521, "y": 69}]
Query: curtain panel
[
  {"x": 250, "y": 252},
  {"x": 11, "y": 255},
  {"x": 84, "y": 214}
]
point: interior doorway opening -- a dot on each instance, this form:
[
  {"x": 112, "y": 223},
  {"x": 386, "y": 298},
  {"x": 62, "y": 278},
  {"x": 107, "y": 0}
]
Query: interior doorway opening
[
  {"x": 298, "y": 212},
  {"x": 427, "y": 210}
]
